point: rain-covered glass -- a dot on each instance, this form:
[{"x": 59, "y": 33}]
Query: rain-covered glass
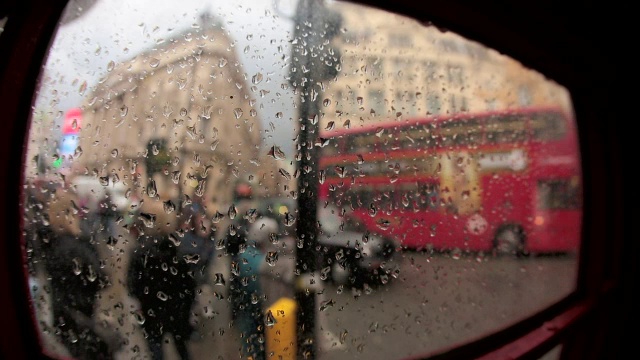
[{"x": 277, "y": 178}]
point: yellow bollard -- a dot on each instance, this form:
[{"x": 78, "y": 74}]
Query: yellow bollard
[{"x": 280, "y": 329}]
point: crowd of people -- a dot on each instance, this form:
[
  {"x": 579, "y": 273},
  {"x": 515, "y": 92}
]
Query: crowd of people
[{"x": 170, "y": 260}]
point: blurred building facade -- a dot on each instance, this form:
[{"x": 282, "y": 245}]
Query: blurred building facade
[
  {"x": 396, "y": 68},
  {"x": 180, "y": 116}
]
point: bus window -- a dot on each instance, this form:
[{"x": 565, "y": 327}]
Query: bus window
[
  {"x": 558, "y": 194},
  {"x": 419, "y": 187}
]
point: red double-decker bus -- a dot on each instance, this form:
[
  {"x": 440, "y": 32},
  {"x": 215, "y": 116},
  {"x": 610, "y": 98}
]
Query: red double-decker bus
[{"x": 506, "y": 181}]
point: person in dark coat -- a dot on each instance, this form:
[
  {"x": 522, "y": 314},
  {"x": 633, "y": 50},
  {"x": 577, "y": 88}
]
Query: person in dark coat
[
  {"x": 76, "y": 278},
  {"x": 163, "y": 284}
]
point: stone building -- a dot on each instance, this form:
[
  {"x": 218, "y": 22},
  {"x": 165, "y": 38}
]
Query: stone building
[
  {"x": 396, "y": 68},
  {"x": 178, "y": 119}
]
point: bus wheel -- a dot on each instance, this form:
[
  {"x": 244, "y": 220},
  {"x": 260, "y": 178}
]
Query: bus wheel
[
  {"x": 509, "y": 240},
  {"x": 340, "y": 273}
]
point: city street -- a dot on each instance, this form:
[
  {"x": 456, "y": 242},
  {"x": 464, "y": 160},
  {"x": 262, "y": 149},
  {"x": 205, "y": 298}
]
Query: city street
[{"x": 435, "y": 302}]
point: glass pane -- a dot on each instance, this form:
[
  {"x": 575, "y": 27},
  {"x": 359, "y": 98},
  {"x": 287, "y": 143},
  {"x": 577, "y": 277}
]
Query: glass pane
[{"x": 196, "y": 177}]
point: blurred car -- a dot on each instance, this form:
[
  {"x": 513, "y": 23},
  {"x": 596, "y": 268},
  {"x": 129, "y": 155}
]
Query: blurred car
[{"x": 350, "y": 254}]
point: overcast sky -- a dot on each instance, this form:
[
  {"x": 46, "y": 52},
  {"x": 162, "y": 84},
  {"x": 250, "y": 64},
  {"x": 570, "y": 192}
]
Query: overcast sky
[{"x": 117, "y": 30}]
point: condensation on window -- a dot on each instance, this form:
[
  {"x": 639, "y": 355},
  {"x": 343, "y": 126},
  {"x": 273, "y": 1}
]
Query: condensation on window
[{"x": 196, "y": 176}]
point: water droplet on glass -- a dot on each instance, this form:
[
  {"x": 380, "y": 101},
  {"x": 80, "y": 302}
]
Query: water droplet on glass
[
  {"x": 254, "y": 298},
  {"x": 232, "y": 212},
  {"x": 187, "y": 201},
  {"x": 192, "y": 132},
  {"x": 347, "y": 124},
  {"x": 104, "y": 180},
  {"x": 379, "y": 131},
  {"x": 83, "y": 88},
  {"x": 359, "y": 100},
  {"x": 289, "y": 219},
  {"x": 219, "y": 279},
  {"x": 77, "y": 152},
  {"x": 285, "y": 173},
  {"x": 360, "y": 159},
  {"x": 202, "y": 186},
  {"x": 330, "y": 125},
  {"x": 169, "y": 206},
  {"x": 256, "y": 79},
  {"x": 77, "y": 266},
  {"x": 324, "y": 273},
  {"x": 372, "y": 210},
  {"x": 232, "y": 230},
  {"x": 326, "y": 102},
  {"x": 91, "y": 274},
  {"x": 217, "y": 217},
  {"x": 111, "y": 65},
  {"x": 222, "y": 62},
  {"x": 276, "y": 153},
  {"x": 175, "y": 176},
  {"x": 191, "y": 258},
  {"x": 124, "y": 110},
  {"x": 271, "y": 258},
  {"x": 152, "y": 191},
  {"x": 237, "y": 112},
  {"x": 162, "y": 296},
  {"x": 279, "y": 115},
  {"x": 322, "y": 177},
  {"x": 73, "y": 338},
  {"x": 251, "y": 215},
  {"x": 273, "y": 238},
  {"x": 149, "y": 220},
  {"x": 174, "y": 239},
  {"x": 138, "y": 315},
  {"x": 269, "y": 319},
  {"x": 114, "y": 153},
  {"x": 111, "y": 242},
  {"x": 327, "y": 304},
  {"x": 235, "y": 268},
  {"x": 383, "y": 224},
  {"x": 183, "y": 112},
  {"x": 405, "y": 200},
  {"x": 154, "y": 63}
]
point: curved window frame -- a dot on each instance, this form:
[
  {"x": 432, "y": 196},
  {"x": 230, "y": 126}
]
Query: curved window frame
[{"x": 589, "y": 323}]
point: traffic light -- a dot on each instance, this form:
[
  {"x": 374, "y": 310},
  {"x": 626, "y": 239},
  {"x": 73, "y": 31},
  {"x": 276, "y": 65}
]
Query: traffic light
[{"x": 314, "y": 58}]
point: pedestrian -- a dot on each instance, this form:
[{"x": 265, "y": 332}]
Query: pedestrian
[
  {"x": 197, "y": 246},
  {"x": 165, "y": 288},
  {"x": 76, "y": 278},
  {"x": 246, "y": 291}
]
